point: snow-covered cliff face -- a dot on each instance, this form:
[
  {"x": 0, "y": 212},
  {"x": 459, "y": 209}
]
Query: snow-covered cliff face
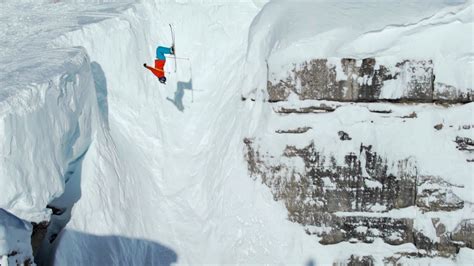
[
  {"x": 284, "y": 35},
  {"x": 368, "y": 172},
  {"x": 138, "y": 173},
  {"x": 46, "y": 121},
  {"x": 398, "y": 171}
]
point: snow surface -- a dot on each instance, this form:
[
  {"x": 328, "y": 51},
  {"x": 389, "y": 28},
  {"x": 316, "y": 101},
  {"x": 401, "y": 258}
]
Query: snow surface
[
  {"x": 14, "y": 238},
  {"x": 163, "y": 179}
]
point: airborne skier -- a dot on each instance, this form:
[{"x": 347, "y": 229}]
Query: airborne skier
[{"x": 160, "y": 62}]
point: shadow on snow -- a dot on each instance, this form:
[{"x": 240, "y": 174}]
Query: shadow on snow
[
  {"x": 113, "y": 250},
  {"x": 100, "y": 83},
  {"x": 179, "y": 94},
  {"x": 62, "y": 206}
]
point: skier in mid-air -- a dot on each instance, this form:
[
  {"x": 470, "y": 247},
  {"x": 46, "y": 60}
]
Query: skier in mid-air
[{"x": 160, "y": 61}]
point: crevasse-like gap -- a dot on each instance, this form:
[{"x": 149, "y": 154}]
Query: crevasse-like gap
[{"x": 166, "y": 170}]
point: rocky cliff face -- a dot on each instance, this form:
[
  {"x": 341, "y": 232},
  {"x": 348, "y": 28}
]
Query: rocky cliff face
[
  {"x": 366, "y": 80},
  {"x": 337, "y": 166}
]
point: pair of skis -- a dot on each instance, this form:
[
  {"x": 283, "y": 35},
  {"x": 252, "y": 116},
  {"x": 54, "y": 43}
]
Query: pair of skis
[
  {"x": 173, "y": 43},
  {"x": 174, "y": 48},
  {"x": 176, "y": 57}
]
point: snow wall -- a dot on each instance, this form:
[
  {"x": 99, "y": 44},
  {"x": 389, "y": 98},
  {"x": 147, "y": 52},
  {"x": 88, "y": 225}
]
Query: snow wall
[{"x": 152, "y": 174}]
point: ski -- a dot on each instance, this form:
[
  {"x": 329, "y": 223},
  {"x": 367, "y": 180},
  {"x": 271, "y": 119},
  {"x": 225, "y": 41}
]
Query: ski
[{"x": 174, "y": 48}]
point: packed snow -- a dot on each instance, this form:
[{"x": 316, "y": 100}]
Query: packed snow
[{"x": 155, "y": 174}]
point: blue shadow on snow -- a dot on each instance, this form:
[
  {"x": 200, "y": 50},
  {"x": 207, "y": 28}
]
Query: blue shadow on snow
[
  {"x": 100, "y": 83},
  {"x": 117, "y": 250},
  {"x": 179, "y": 94}
]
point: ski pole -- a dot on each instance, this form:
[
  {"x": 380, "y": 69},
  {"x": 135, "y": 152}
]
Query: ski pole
[{"x": 175, "y": 57}]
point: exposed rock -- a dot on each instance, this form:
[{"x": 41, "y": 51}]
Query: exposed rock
[
  {"x": 13, "y": 253},
  {"x": 324, "y": 194},
  {"x": 381, "y": 111},
  {"x": 15, "y": 245},
  {"x": 417, "y": 76},
  {"x": 393, "y": 260},
  {"x": 310, "y": 109},
  {"x": 24, "y": 262},
  {"x": 318, "y": 81},
  {"x": 434, "y": 194},
  {"x": 298, "y": 130},
  {"x": 363, "y": 81},
  {"x": 438, "y": 126},
  {"x": 464, "y": 144},
  {"x": 52, "y": 237},
  {"x": 443, "y": 246},
  {"x": 439, "y": 227},
  {"x": 344, "y": 188},
  {"x": 343, "y": 135},
  {"x": 355, "y": 260},
  {"x": 252, "y": 157},
  {"x": 360, "y": 261},
  {"x": 423, "y": 242},
  {"x": 464, "y": 233},
  {"x": 55, "y": 210},
  {"x": 444, "y": 92},
  {"x": 366, "y": 229},
  {"x": 372, "y": 80},
  {"x": 38, "y": 234},
  {"x": 280, "y": 92},
  {"x": 411, "y": 115},
  {"x": 447, "y": 243}
]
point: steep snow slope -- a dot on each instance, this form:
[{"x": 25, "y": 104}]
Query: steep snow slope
[
  {"x": 164, "y": 179},
  {"x": 47, "y": 103},
  {"x": 175, "y": 168},
  {"x": 46, "y": 125}
]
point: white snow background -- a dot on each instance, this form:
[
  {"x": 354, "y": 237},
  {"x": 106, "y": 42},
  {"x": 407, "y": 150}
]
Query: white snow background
[{"x": 155, "y": 174}]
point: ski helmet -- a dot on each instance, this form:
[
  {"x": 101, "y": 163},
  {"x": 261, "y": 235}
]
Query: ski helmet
[{"x": 162, "y": 80}]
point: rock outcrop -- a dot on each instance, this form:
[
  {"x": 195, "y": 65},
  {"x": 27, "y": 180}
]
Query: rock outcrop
[
  {"x": 362, "y": 196},
  {"x": 365, "y": 80},
  {"x": 352, "y": 201}
]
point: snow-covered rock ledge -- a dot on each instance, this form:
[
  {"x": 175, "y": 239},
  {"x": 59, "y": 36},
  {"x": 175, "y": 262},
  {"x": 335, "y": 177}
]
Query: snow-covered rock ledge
[
  {"x": 349, "y": 79},
  {"x": 365, "y": 172},
  {"x": 47, "y": 118}
]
